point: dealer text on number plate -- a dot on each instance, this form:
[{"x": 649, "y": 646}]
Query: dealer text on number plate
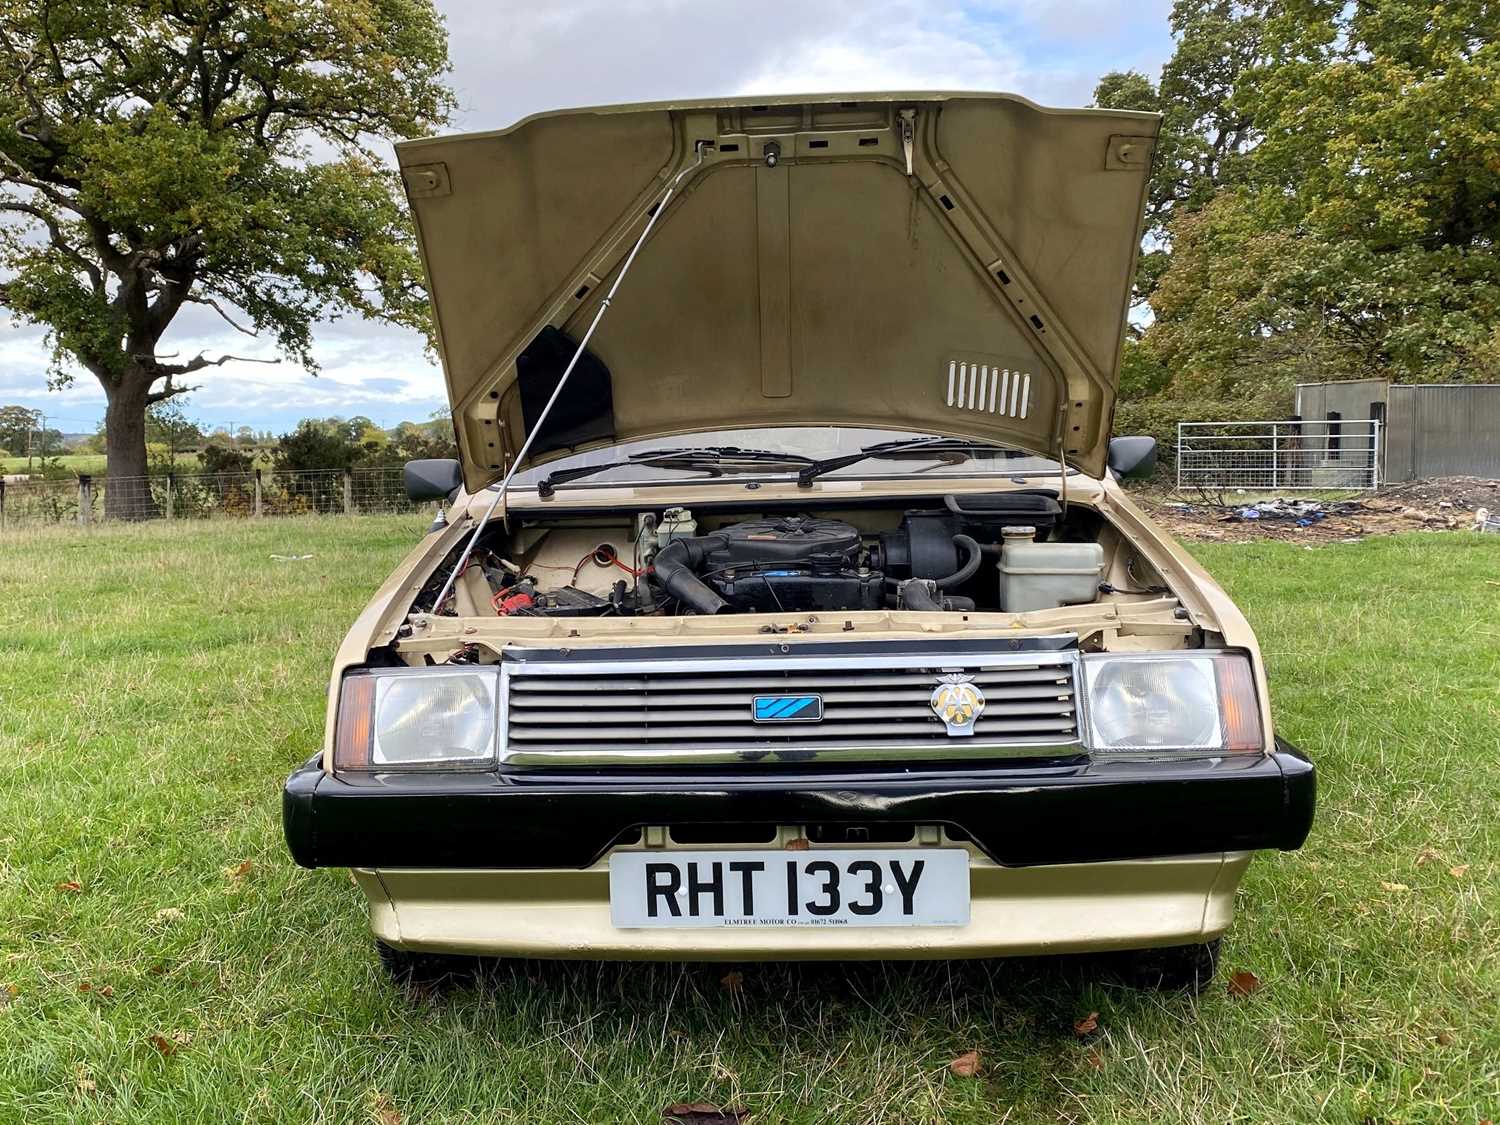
[{"x": 837, "y": 887}]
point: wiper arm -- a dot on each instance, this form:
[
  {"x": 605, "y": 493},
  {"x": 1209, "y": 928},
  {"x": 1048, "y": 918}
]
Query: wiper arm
[
  {"x": 713, "y": 459},
  {"x": 728, "y": 454},
  {"x": 812, "y": 472}
]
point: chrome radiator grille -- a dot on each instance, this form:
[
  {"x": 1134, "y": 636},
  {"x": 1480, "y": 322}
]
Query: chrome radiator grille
[{"x": 703, "y": 711}]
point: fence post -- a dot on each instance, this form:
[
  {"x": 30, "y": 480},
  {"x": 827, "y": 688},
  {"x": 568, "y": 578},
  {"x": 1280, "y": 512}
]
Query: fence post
[
  {"x": 2, "y": 503},
  {"x": 85, "y": 499},
  {"x": 171, "y": 483},
  {"x": 348, "y": 492},
  {"x": 259, "y": 511},
  {"x": 1179, "y": 456},
  {"x": 1275, "y": 450}
]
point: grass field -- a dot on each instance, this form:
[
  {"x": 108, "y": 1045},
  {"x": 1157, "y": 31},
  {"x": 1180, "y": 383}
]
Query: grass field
[
  {"x": 92, "y": 463},
  {"x": 89, "y": 463},
  {"x": 161, "y": 959}
]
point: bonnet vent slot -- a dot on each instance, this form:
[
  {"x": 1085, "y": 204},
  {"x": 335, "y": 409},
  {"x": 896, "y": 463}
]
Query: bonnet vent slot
[{"x": 988, "y": 388}]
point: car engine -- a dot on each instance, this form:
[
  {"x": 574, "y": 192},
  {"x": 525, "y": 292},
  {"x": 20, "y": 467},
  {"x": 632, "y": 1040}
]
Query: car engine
[
  {"x": 767, "y": 565},
  {"x": 936, "y": 558}
]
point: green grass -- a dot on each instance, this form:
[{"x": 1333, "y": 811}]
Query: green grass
[
  {"x": 156, "y": 685},
  {"x": 91, "y": 463}
]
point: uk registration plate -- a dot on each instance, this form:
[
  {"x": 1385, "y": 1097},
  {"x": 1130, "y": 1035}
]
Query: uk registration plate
[{"x": 845, "y": 887}]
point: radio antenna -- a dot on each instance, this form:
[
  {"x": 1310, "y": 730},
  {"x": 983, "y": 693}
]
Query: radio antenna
[{"x": 520, "y": 458}]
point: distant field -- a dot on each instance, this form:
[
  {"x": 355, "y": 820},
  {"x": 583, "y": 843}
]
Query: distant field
[
  {"x": 92, "y": 463},
  {"x": 162, "y": 960}
]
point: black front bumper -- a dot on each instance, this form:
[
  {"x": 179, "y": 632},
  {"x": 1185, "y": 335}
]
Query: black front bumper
[{"x": 1101, "y": 810}]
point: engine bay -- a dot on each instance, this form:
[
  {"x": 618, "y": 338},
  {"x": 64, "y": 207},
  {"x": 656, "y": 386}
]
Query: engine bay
[{"x": 1015, "y": 551}]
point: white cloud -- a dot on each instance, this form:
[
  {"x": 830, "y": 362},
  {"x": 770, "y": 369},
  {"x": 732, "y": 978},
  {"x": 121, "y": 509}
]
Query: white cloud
[
  {"x": 589, "y": 52},
  {"x": 367, "y": 369},
  {"x": 1093, "y": 24},
  {"x": 893, "y": 46}
]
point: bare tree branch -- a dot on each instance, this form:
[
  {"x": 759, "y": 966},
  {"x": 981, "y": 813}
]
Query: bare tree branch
[
  {"x": 168, "y": 391},
  {"x": 218, "y": 308},
  {"x": 200, "y": 361},
  {"x": 169, "y": 371}
]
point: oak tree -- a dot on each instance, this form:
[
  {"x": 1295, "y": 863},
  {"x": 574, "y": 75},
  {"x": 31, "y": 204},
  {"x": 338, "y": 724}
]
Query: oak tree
[
  {"x": 1326, "y": 204},
  {"x": 17, "y": 426},
  {"x": 223, "y": 153},
  {"x": 1205, "y": 134},
  {"x": 1364, "y": 237}
]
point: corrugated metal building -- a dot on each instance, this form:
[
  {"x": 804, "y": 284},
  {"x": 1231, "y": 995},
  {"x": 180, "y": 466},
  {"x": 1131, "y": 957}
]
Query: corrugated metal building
[{"x": 1427, "y": 430}]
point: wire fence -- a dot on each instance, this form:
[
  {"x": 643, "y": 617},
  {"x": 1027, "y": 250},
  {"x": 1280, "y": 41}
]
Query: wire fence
[
  {"x": 87, "y": 500},
  {"x": 1279, "y": 456}
]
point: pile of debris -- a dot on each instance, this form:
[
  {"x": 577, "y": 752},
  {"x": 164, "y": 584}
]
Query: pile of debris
[
  {"x": 1304, "y": 513},
  {"x": 1448, "y": 504}
]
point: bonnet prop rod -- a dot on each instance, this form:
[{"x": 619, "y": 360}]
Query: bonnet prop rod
[{"x": 520, "y": 458}]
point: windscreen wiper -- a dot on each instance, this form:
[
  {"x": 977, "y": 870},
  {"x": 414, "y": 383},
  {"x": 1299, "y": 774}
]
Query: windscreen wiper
[
  {"x": 715, "y": 460},
  {"x": 916, "y": 447}
]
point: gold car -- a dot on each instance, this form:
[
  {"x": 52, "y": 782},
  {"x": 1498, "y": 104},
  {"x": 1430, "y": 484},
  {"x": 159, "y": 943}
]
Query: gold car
[{"x": 786, "y": 604}]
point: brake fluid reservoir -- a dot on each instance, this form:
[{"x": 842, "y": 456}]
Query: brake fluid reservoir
[
  {"x": 1046, "y": 575},
  {"x": 676, "y": 523}
]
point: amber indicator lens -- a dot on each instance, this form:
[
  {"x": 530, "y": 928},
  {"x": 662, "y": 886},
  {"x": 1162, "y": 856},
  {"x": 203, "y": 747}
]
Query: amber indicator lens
[
  {"x": 1238, "y": 710},
  {"x": 354, "y": 732}
]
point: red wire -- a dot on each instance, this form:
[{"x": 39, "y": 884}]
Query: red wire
[
  {"x": 615, "y": 560},
  {"x": 507, "y": 592}
]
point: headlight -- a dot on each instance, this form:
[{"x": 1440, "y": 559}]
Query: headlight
[
  {"x": 403, "y": 718},
  {"x": 1178, "y": 701}
]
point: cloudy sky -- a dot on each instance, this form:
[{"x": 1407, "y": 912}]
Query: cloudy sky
[{"x": 511, "y": 59}]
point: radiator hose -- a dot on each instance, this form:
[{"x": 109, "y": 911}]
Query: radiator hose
[
  {"x": 673, "y": 570},
  {"x": 921, "y": 595}
]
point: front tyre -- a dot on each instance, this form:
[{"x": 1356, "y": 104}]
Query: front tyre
[
  {"x": 1176, "y": 968},
  {"x": 408, "y": 968}
]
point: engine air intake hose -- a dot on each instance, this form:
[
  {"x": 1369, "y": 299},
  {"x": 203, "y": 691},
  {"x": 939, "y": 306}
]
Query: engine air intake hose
[
  {"x": 970, "y": 567},
  {"x": 673, "y": 571}
]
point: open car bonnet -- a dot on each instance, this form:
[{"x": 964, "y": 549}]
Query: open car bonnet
[{"x": 956, "y": 264}]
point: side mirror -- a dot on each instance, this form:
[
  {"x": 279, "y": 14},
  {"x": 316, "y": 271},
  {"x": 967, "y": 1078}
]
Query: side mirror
[
  {"x": 434, "y": 478},
  {"x": 1132, "y": 456}
]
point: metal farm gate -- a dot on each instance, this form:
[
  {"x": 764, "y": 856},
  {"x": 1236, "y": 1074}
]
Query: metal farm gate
[
  {"x": 1279, "y": 456},
  {"x": 1356, "y": 433}
]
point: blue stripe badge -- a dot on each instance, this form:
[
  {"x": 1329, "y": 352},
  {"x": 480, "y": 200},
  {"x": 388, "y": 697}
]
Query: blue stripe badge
[{"x": 787, "y": 708}]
